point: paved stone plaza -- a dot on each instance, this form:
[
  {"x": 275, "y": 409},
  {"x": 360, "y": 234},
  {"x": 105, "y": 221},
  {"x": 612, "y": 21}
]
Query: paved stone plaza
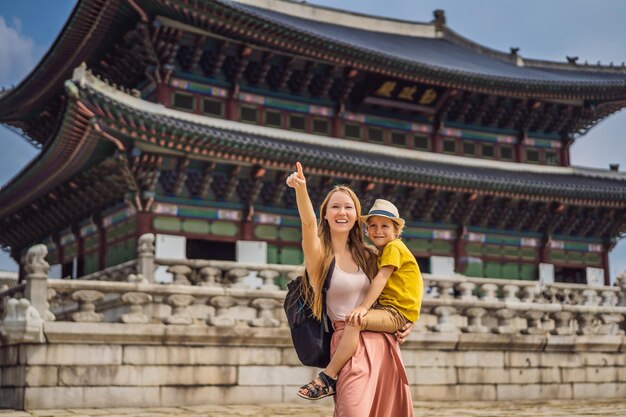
[{"x": 579, "y": 408}]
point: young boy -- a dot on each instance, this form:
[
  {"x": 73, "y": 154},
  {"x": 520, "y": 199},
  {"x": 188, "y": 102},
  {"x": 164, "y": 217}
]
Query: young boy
[{"x": 394, "y": 296}]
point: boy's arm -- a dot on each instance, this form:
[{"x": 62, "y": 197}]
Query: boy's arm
[{"x": 373, "y": 292}]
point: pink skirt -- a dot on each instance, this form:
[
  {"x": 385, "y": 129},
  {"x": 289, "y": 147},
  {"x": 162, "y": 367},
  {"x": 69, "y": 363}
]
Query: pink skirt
[{"x": 373, "y": 383}]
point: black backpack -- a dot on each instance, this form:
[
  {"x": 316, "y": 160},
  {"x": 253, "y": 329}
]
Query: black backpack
[{"x": 311, "y": 337}]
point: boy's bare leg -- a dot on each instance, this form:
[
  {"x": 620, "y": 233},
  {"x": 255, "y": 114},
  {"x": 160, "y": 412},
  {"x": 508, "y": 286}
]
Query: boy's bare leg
[{"x": 345, "y": 350}]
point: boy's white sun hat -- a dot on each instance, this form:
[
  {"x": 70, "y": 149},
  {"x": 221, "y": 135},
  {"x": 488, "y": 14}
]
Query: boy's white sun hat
[{"x": 386, "y": 209}]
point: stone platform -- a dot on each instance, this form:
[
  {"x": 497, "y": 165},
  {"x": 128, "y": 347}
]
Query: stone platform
[{"x": 571, "y": 408}]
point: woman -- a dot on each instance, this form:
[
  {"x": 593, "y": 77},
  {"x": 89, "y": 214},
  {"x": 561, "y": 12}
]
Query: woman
[{"x": 373, "y": 383}]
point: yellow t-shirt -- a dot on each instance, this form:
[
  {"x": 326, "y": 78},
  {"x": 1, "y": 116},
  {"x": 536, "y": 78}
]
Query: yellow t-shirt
[{"x": 405, "y": 287}]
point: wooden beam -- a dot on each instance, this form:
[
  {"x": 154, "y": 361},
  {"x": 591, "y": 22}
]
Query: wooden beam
[
  {"x": 207, "y": 179},
  {"x": 281, "y": 187},
  {"x": 286, "y": 73},
  {"x": 196, "y": 54},
  {"x": 181, "y": 176},
  {"x": 307, "y": 75}
]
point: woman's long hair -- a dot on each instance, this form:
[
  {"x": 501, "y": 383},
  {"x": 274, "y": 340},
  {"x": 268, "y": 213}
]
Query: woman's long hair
[{"x": 363, "y": 254}]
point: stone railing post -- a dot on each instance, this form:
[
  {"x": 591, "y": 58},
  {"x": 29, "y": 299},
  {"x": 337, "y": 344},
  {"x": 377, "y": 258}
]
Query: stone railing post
[
  {"x": 86, "y": 300},
  {"x": 145, "y": 256},
  {"x": 609, "y": 298},
  {"x": 135, "y": 301},
  {"x": 269, "y": 275},
  {"x": 489, "y": 292},
  {"x": 209, "y": 277},
  {"x": 590, "y": 297},
  {"x": 533, "y": 322},
  {"x": 611, "y": 323},
  {"x": 237, "y": 276},
  {"x": 181, "y": 274},
  {"x": 562, "y": 323},
  {"x": 621, "y": 282},
  {"x": 466, "y": 291},
  {"x": 444, "y": 325},
  {"x": 221, "y": 318},
  {"x": 265, "y": 315},
  {"x": 586, "y": 323},
  {"x": 37, "y": 279},
  {"x": 505, "y": 318},
  {"x": 510, "y": 293},
  {"x": 475, "y": 320},
  {"x": 180, "y": 314}
]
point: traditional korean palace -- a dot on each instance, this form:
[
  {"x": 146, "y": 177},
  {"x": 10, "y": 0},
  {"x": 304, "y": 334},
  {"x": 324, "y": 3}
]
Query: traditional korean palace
[{"x": 182, "y": 118}]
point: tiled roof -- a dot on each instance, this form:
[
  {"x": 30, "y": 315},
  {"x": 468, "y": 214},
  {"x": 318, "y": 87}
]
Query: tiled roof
[
  {"x": 441, "y": 53},
  {"x": 341, "y": 155}
]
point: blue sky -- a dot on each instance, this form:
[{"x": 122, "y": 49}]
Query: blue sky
[{"x": 593, "y": 30}]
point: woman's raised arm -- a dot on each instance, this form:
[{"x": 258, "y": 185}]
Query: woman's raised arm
[{"x": 311, "y": 244}]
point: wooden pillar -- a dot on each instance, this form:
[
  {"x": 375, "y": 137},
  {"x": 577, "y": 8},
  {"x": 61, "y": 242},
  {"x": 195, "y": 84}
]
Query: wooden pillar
[
  {"x": 605, "y": 264},
  {"x": 460, "y": 250},
  {"x": 567, "y": 143},
  {"x": 163, "y": 95},
  {"x": 336, "y": 126},
  {"x": 144, "y": 223},
  {"x": 518, "y": 148},
  {"x": 102, "y": 241},
  {"x": 56, "y": 238},
  {"x": 80, "y": 251},
  {"x": 544, "y": 249},
  {"x": 435, "y": 138}
]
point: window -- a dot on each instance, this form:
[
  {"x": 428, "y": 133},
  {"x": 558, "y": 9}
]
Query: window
[
  {"x": 320, "y": 126},
  {"x": 207, "y": 249},
  {"x": 352, "y": 130},
  {"x": 184, "y": 101},
  {"x": 421, "y": 142},
  {"x": 398, "y": 138},
  {"x": 297, "y": 122},
  {"x": 570, "y": 275},
  {"x": 552, "y": 158},
  {"x": 273, "y": 118},
  {"x": 506, "y": 152},
  {"x": 449, "y": 145},
  {"x": 487, "y": 151},
  {"x": 375, "y": 135},
  {"x": 249, "y": 114},
  {"x": 469, "y": 148},
  {"x": 532, "y": 155},
  {"x": 213, "y": 107}
]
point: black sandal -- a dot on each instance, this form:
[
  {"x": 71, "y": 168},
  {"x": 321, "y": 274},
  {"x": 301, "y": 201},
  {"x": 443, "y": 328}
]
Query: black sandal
[{"x": 316, "y": 391}]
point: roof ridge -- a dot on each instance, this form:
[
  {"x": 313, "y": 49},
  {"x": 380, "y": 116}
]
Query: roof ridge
[{"x": 341, "y": 17}]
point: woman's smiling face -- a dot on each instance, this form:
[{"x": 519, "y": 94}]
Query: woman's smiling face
[{"x": 341, "y": 213}]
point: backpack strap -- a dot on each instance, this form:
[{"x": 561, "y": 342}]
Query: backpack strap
[{"x": 325, "y": 287}]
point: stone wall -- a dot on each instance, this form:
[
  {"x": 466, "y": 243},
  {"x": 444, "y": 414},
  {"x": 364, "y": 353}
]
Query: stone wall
[
  {"x": 117, "y": 339},
  {"x": 114, "y": 365}
]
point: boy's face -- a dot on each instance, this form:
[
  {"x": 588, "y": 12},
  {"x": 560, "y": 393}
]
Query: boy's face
[{"x": 381, "y": 230}]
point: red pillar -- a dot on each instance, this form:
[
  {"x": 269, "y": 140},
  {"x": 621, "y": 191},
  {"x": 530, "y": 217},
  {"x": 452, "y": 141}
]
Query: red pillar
[{"x": 605, "y": 264}]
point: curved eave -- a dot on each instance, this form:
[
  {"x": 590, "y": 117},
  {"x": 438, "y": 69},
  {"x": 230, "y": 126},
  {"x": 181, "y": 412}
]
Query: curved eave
[
  {"x": 260, "y": 29},
  {"x": 157, "y": 127},
  {"x": 90, "y": 23},
  {"x": 67, "y": 154}
]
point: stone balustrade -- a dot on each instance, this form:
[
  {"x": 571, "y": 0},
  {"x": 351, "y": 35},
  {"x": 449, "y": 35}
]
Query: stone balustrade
[
  {"x": 216, "y": 293},
  {"x": 213, "y": 333}
]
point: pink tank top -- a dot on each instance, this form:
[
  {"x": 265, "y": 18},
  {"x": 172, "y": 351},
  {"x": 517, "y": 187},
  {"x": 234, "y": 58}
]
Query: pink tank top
[{"x": 346, "y": 292}]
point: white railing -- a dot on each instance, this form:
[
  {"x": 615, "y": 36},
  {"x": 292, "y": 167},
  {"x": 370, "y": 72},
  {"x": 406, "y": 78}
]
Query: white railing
[{"x": 218, "y": 293}]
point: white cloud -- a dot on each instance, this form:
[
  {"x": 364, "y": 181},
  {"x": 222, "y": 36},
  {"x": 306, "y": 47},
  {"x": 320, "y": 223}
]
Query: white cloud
[{"x": 17, "y": 52}]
